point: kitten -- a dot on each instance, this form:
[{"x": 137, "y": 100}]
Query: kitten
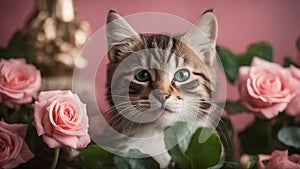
[{"x": 154, "y": 80}]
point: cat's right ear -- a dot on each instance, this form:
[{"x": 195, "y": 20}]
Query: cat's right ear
[
  {"x": 202, "y": 36},
  {"x": 121, "y": 37}
]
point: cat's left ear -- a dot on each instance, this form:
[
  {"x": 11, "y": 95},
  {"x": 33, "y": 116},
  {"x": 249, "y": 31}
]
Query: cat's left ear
[
  {"x": 121, "y": 37},
  {"x": 202, "y": 36}
]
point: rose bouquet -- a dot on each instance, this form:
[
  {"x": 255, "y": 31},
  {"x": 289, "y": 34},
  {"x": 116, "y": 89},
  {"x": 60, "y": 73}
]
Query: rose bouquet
[
  {"x": 269, "y": 93},
  {"x": 60, "y": 120},
  {"x": 38, "y": 124},
  {"x": 59, "y": 117}
]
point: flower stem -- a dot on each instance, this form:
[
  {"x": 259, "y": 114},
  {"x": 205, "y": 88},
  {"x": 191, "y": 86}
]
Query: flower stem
[{"x": 55, "y": 158}]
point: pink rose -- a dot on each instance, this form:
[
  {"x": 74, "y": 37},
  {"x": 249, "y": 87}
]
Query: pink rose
[
  {"x": 61, "y": 119},
  {"x": 279, "y": 160},
  {"x": 295, "y": 75},
  {"x": 13, "y": 148},
  {"x": 293, "y": 108},
  {"x": 264, "y": 88},
  {"x": 19, "y": 82}
]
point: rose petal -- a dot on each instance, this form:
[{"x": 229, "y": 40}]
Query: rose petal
[
  {"x": 261, "y": 158},
  {"x": 38, "y": 115},
  {"x": 52, "y": 142},
  {"x": 14, "y": 149},
  {"x": 83, "y": 141},
  {"x": 293, "y": 108},
  {"x": 273, "y": 110},
  {"x": 295, "y": 72},
  {"x": 278, "y": 160},
  {"x": 265, "y": 88},
  {"x": 70, "y": 141},
  {"x": 63, "y": 119},
  {"x": 20, "y": 82}
]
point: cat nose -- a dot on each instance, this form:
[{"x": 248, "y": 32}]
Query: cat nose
[{"x": 160, "y": 95}]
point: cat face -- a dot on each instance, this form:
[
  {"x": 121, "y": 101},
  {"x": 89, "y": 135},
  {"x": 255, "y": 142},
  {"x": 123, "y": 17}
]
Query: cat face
[{"x": 159, "y": 79}]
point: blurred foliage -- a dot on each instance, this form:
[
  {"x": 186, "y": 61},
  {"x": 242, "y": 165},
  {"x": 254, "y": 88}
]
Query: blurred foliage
[
  {"x": 20, "y": 114},
  {"x": 298, "y": 43},
  {"x": 122, "y": 162},
  {"x": 96, "y": 157},
  {"x": 287, "y": 62},
  {"x": 290, "y": 136},
  {"x": 257, "y": 138},
  {"x": 17, "y": 48},
  {"x": 235, "y": 107},
  {"x": 226, "y": 131},
  {"x": 191, "y": 152},
  {"x": 231, "y": 61}
]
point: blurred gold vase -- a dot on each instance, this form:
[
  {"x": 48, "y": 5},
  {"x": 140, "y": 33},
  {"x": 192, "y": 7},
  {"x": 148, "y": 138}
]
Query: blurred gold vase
[{"x": 56, "y": 37}]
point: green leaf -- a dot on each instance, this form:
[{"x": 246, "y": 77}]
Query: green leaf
[
  {"x": 121, "y": 163},
  {"x": 244, "y": 59},
  {"x": 181, "y": 133},
  {"x": 235, "y": 107},
  {"x": 17, "y": 48},
  {"x": 177, "y": 139},
  {"x": 5, "y": 112},
  {"x": 133, "y": 163},
  {"x": 95, "y": 157},
  {"x": 290, "y": 136},
  {"x": 2, "y": 52},
  {"x": 23, "y": 114},
  {"x": 31, "y": 138},
  {"x": 230, "y": 165},
  {"x": 231, "y": 62},
  {"x": 287, "y": 62},
  {"x": 263, "y": 50},
  {"x": 225, "y": 130},
  {"x": 26, "y": 111},
  {"x": 257, "y": 138},
  {"x": 205, "y": 149},
  {"x": 13, "y": 48},
  {"x": 230, "y": 65}
]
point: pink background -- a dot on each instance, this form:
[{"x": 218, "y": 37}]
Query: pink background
[{"x": 240, "y": 22}]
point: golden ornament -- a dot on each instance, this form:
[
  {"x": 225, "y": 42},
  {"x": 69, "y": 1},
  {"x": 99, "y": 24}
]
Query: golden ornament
[{"x": 56, "y": 37}]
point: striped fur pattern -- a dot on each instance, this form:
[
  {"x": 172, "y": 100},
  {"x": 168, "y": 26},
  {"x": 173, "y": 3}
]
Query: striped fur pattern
[
  {"x": 162, "y": 55},
  {"x": 145, "y": 108}
]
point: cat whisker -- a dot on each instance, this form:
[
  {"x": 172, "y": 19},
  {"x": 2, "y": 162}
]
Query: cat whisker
[
  {"x": 116, "y": 95},
  {"x": 212, "y": 117},
  {"x": 129, "y": 98},
  {"x": 227, "y": 140},
  {"x": 114, "y": 107},
  {"x": 209, "y": 102},
  {"x": 132, "y": 122},
  {"x": 114, "y": 120},
  {"x": 121, "y": 118}
]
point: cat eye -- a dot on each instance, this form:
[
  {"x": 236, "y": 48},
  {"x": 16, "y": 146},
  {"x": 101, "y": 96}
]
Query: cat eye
[
  {"x": 182, "y": 75},
  {"x": 142, "y": 76}
]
